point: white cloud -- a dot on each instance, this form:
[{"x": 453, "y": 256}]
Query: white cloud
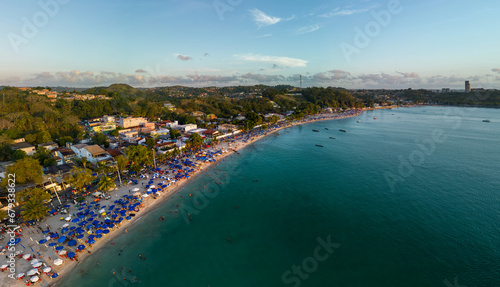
[
  {"x": 261, "y": 19},
  {"x": 183, "y": 58},
  {"x": 281, "y": 61},
  {"x": 347, "y": 12},
  {"x": 307, "y": 29}
]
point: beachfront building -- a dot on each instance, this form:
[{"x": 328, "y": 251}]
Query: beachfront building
[
  {"x": 131, "y": 122},
  {"x": 227, "y": 127},
  {"x": 21, "y": 144},
  {"x": 210, "y": 133},
  {"x": 197, "y": 131},
  {"x": 95, "y": 153}
]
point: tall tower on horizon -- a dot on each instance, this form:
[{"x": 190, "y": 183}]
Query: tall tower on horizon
[{"x": 467, "y": 87}]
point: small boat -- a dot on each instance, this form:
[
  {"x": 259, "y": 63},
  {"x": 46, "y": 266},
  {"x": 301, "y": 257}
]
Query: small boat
[
  {"x": 331, "y": 138},
  {"x": 487, "y": 121},
  {"x": 326, "y": 128},
  {"x": 359, "y": 121},
  {"x": 316, "y": 131},
  {"x": 374, "y": 118},
  {"x": 319, "y": 145},
  {"x": 342, "y": 130}
]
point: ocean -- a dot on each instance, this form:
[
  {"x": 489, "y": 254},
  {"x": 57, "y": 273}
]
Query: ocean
[{"x": 408, "y": 199}]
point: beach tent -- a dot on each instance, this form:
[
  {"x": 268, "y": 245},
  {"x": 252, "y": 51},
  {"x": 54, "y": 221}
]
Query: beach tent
[
  {"x": 34, "y": 278},
  {"x": 58, "y": 262},
  {"x": 37, "y": 264},
  {"x": 26, "y": 256},
  {"x": 32, "y": 272},
  {"x": 47, "y": 269}
]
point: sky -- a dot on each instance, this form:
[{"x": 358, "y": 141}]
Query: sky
[{"x": 356, "y": 44}]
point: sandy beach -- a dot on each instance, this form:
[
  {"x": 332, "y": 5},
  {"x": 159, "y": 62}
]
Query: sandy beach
[{"x": 46, "y": 254}]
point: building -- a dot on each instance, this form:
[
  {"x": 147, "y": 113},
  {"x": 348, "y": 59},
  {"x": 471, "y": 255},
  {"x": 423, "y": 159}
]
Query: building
[
  {"x": 21, "y": 144},
  {"x": 211, "y": 117},
  {"x": 226, "y": 127},
  {"x": 78, "y": 149},
  {"x": 467, "y": 87},
  {"x": 162, "y": 132},
  {"x": 131, "y": 122},
  {"x": 198, "y": 131},
  {"x": 210, "y": 133},
  {"x": 114, "y": 152},
  {"x": 65, "y": 154},
  {"x": 104, "y": 128},
  {"x": 169, "y": 106},
  {"x": 95, "y": 154},
  {"x": 197, "y": 114},
  {"x": 49, "y": 145},
  {"x": 445, "y": 90},
  {"x": 186, "y": 127},
  {"x": 108, "y": 119}
]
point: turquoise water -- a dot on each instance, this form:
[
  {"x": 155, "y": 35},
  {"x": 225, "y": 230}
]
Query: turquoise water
[{"x": 395, "y": 213}]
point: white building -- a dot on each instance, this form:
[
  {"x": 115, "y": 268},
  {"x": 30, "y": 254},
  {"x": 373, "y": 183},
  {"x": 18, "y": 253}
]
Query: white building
[
  {"x": 77, "y": 149},
  {"x": 131, "y": 122},
  {"x": 95, "y": 153},
  {"x": 162, "y": 132},
  {"x": 186, "y": 127}
]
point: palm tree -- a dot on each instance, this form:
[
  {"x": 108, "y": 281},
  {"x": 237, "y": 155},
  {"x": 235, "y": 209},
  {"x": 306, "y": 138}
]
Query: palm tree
[
  {"x": 34, "y": 210},
  {"x": 84, "y": 162},
  {"x": 106, "y": 183}
]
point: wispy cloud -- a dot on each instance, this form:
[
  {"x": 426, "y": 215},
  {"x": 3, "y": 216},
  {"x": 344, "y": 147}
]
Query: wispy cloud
[
  {"x": 347, "y": 12},
  {"x": 140, "y": 71},
  {"x": 262, "y": 19},
  {"x": 281, "y": 61},
  {"x": 307, "y": 29},
  {"x": 183, "y": 58}
]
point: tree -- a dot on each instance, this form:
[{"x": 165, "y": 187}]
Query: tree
[
  {"x": 100, "y": 139},
  {"x": 50, "y": 161},
  {"x": 195, "y": 140},
  {"x": 34, "y": 210},
  {"x": 121, "y": 161},
  {"x": 37, "y": 194},
  {"x": 42, "y": 154},
  {"x": 106, "y": 183},
  {"x": 140, "y": 155},
  {"x": 26, "y": 170},
  {"x": 5, "y": 152},
  {"x": 64, "y": 140},
  {"x": 150, "y": 143},
  {"x": 114, "y": 133},
  {"x": 174, "y": 134},
  {"x": 80, "y": 177},
  {"x": 18, "y": 154}
]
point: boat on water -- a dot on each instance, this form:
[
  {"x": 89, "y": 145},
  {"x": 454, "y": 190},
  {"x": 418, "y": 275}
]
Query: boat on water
[
  {"x": 316, "y": 131},
  {"x": 359, "y": 121},
  {"x": 326, "y": 128},
  {"x": 342, "y": 130},
  {"x": 319, "y": 145},
  {"x": 374, "y": 118},
  {"x": 487, "y": 121},
  {"x": 331, "y": 138}
]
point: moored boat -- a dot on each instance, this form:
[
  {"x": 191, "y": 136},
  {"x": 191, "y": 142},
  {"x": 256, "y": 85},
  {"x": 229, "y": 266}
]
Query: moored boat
[
  {"x": 486, "y": 121},
  {"x": 316, "y": 131},
  {"x": 342, "y": 130},
  {"x": 319, "y": 145}
]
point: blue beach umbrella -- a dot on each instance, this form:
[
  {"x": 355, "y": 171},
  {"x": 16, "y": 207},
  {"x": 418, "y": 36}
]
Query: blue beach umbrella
[
  {"x": 52, "y": 244},
  {"x": 80, "y": 236},
  {"x": 55, "y": 275},
  {"x": 92, "y": 241},
  {"x": 71, "y": 233},
  {"x": 98, "y": 232},
  {"x": 59, "y": 247},
  {"x": 67, "y": 206},
  {"x": 128, "y": 217},
  {"x": 105, "y": 231},
  {"x": 64, "y": 230},
  {"x": 81, "y": 247},
  {"x": 75, "y": 220},
  {"x": 72, "y": 242},
  {"x": 42, "y": 241},
  {"x": 71, "y": 254},
  {"x": 61, "y": 239},
  {"x": 72, "y": 227}
]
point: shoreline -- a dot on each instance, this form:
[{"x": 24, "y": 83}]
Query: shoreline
[{"x": 151, "y": 205}]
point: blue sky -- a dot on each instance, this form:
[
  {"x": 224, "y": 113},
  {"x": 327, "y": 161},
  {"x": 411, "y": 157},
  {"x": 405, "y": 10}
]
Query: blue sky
[{"x": 352, "y": 44}]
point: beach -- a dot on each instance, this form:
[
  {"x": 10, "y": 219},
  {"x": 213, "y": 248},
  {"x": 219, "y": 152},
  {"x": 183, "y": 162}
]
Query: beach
[{"x": 47, "y": 254}]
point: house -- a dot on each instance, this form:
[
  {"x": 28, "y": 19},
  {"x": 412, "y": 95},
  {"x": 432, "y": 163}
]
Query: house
[
  {"x": 21, "y": 144},
  {"x": 114, "y": 152},
  {"x": 49, "y": 145},
  {"x": 65, "y": 154},
  {"x": 169, "y": 106},
  {"x": 78, "y": 149},
  {"x": 197, "y": 114},
  {"x": 226, "y": 127},
  {"x": 95, "y": 154}
]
